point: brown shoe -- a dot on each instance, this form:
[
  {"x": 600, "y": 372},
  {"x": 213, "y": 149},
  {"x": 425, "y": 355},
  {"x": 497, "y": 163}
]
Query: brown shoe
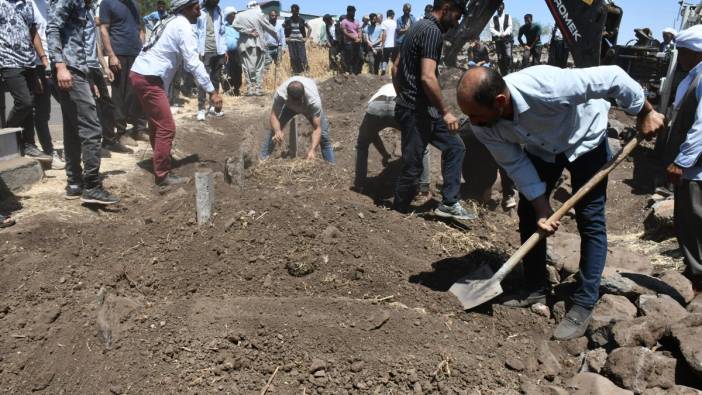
[{"x": 423, "y": 198}]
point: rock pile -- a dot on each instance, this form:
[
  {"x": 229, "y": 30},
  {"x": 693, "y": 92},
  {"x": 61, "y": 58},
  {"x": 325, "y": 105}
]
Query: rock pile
[{"x": 645, "y": 335}]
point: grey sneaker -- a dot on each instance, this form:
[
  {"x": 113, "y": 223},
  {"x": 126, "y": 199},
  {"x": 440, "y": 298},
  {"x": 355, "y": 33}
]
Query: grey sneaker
[
  {"x": 73, "y": 192},
  {"x": 574, "y": 323},
  {"x": 455, "y": 211},
  {"x": 98, "y": 195},
  {"x": 34, "y": 152},
  {"x": 524, "y": 297}
]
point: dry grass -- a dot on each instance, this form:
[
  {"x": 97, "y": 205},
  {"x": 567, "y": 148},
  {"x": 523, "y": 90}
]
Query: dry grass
[
  {"x": 317, "y": 58},
  {"x": 456, "y": 242}
]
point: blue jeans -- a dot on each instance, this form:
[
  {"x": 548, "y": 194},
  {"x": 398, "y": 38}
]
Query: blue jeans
[
  {"x": 284, "y": 116},
  {"x": 368, "y": 134},
  {"x": 419, "y": 129},
  {"x": 589, "y": 214}
]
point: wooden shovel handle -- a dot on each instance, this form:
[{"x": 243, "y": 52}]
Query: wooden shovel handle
[{"x": 570, "y": 203}]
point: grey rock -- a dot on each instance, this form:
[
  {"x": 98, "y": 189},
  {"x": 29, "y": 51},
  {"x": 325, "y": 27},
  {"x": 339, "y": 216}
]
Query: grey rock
[
  {"x": 587, "y": 383},
  {"x": 695, "y": 306},
  {"x": 638, "y": 368},
  {"x": 661, "y": 215},
  {"x": 595, "y": 360},
  {"x": 609, "y": 310},
  {"x": 317, "y": 364},
  {"x": 687, "y": 333},
  {"x": 641, "y": 331},
  {"x": 548, "y": 362},
  {"x": 661, "y": 307},
  {"x": 681, "y": 284},
  {"x": 558, "y": 311},
  {"x": 617, "y": 284},
  {"x": 674, "y": 390}
]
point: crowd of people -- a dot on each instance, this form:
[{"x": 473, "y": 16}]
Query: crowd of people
[{"x": 535, "y": 122}]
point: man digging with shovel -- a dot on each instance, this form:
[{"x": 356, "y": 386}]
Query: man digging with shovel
[{"x": 536, "y": 123}]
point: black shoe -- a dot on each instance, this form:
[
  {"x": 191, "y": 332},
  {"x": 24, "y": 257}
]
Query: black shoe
[
  {"x": 98, "y": 195},
  {"x": 171, "y": 179},
  {"x": 73, "y": 192},
  {"x": 118, "y": 148},
  {"x": 34, "y": 152},
  {"x": 524, "y": 297},
  {"x": 574, "y": 323}
]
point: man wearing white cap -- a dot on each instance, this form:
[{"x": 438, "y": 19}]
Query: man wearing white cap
[
  {"x": 172, "y": 40},
  {"x": 684, "y": 152},
  {"x": 668, "y": 43}
]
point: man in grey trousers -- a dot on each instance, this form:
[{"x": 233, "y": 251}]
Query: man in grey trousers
[{"x": 82, "y": 135}]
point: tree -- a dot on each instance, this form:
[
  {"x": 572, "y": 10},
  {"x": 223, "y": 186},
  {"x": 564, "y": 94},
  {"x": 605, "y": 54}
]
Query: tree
[{"x": 149, "y": 6}]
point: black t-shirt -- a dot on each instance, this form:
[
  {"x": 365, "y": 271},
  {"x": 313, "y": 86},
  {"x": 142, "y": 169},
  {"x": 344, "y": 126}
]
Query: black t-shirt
[
  {"x": 423, "y": 40},
  {"x": 125, "y": 24},
  {"x": 531, "y": 32}
]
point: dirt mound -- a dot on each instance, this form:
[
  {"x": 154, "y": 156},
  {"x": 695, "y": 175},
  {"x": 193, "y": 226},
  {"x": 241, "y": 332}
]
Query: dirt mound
[
  {"x": 297, "y": 277},
  {"x": 350, "y": 93}
]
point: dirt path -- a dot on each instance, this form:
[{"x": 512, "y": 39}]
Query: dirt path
[{"x": 139, "y": 299}]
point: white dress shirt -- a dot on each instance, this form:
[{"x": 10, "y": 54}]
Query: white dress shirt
[
  {"x": 177, "y": 43},
  {"x": 556, "y": 111},
  {"x": 501, "y": 31}
]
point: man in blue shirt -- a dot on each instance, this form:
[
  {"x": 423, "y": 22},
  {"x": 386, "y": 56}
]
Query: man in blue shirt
[
  {"x": 403, "y": 24},
  {"x": 122, "y": 33},
  {"x": 536, "y": 123},
  {"x": 275, "y": 43},
  {"x": 212, "y": 47},
  {"x": 153, "y": 18},
  {"x": 685, "y": 152},
  {"x": 231, "y": 36},
  {"x": 374, "y": 46}
]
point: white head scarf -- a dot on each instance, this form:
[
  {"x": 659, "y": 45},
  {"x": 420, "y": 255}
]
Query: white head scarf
[{"x": 690, "y": 38}]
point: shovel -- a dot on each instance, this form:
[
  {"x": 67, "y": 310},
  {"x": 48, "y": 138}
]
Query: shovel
[{"x": 483, "y": 284}]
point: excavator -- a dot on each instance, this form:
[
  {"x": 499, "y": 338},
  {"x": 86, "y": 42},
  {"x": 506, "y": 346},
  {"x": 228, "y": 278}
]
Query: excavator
[{"x": 589, "y": 27}]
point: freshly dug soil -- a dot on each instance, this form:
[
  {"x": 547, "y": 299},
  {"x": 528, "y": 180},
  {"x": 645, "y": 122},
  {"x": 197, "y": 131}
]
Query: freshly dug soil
[{"x": 297, "y": 277}]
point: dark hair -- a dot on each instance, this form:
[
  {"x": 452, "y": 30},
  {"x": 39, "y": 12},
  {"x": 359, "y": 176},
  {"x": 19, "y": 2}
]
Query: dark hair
[
  {"x": 491, "y": 85},
  {"x": 296, "y": 90},
  {"x": 390, "y": 13},
  {"x": 372, "y": 15},
  {"x": 294, "y": 6},
  {"x": 460, "y": 4},
  {"x": 159, "y": 2},
  {"x": 327, "y": 18},
  {"x": 529, "y": 16}
]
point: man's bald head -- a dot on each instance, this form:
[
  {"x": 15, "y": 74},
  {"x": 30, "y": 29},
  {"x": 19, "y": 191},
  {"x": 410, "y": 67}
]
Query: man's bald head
[
  {"x": 483, "y": 96},
  {"x": 296, "y": 91}
]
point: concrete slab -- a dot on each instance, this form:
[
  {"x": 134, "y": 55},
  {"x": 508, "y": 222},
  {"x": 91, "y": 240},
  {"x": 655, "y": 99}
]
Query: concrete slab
[{"x": 18, "y": 174}]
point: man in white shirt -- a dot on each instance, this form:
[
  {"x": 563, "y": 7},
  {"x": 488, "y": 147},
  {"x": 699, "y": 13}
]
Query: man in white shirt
[
  {"x": 536, "y": 123},
  {"x": 153, "y": 70},
  {"x": 388, "y": 27},
  {"x": 298, "y": 95},
  {"x": 501, "y": 30},
  {"x": 380, "y": 114}
]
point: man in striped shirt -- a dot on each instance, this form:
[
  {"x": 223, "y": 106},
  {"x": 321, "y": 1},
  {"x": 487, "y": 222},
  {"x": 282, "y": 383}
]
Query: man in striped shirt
[{"x": 423, "y": 115}]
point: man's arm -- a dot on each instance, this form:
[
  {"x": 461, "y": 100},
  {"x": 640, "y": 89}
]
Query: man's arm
[
  {"x": 519, "y": 36},
  {"x": 316, "y": 137},
  {"x": 57, "y": 20},
  {"x": 347, "y": 32},
  {"x": 278, "y": 104},
  {"x": 38, "y": 47},
  {"x": 193, "y": 64},
  {"x": 395, "y": 68},
  {"x": 690, "y": 149},
  {"x": 577, "y": 86},
  {"x": 432, "y": 89}
]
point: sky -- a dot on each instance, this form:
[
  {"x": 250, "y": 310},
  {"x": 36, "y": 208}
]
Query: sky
[{"x": 655, "y": 14}]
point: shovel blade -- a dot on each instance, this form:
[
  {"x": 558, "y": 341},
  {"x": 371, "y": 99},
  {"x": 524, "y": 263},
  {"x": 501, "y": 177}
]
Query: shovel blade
[{"x": 477, "y": 288}]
